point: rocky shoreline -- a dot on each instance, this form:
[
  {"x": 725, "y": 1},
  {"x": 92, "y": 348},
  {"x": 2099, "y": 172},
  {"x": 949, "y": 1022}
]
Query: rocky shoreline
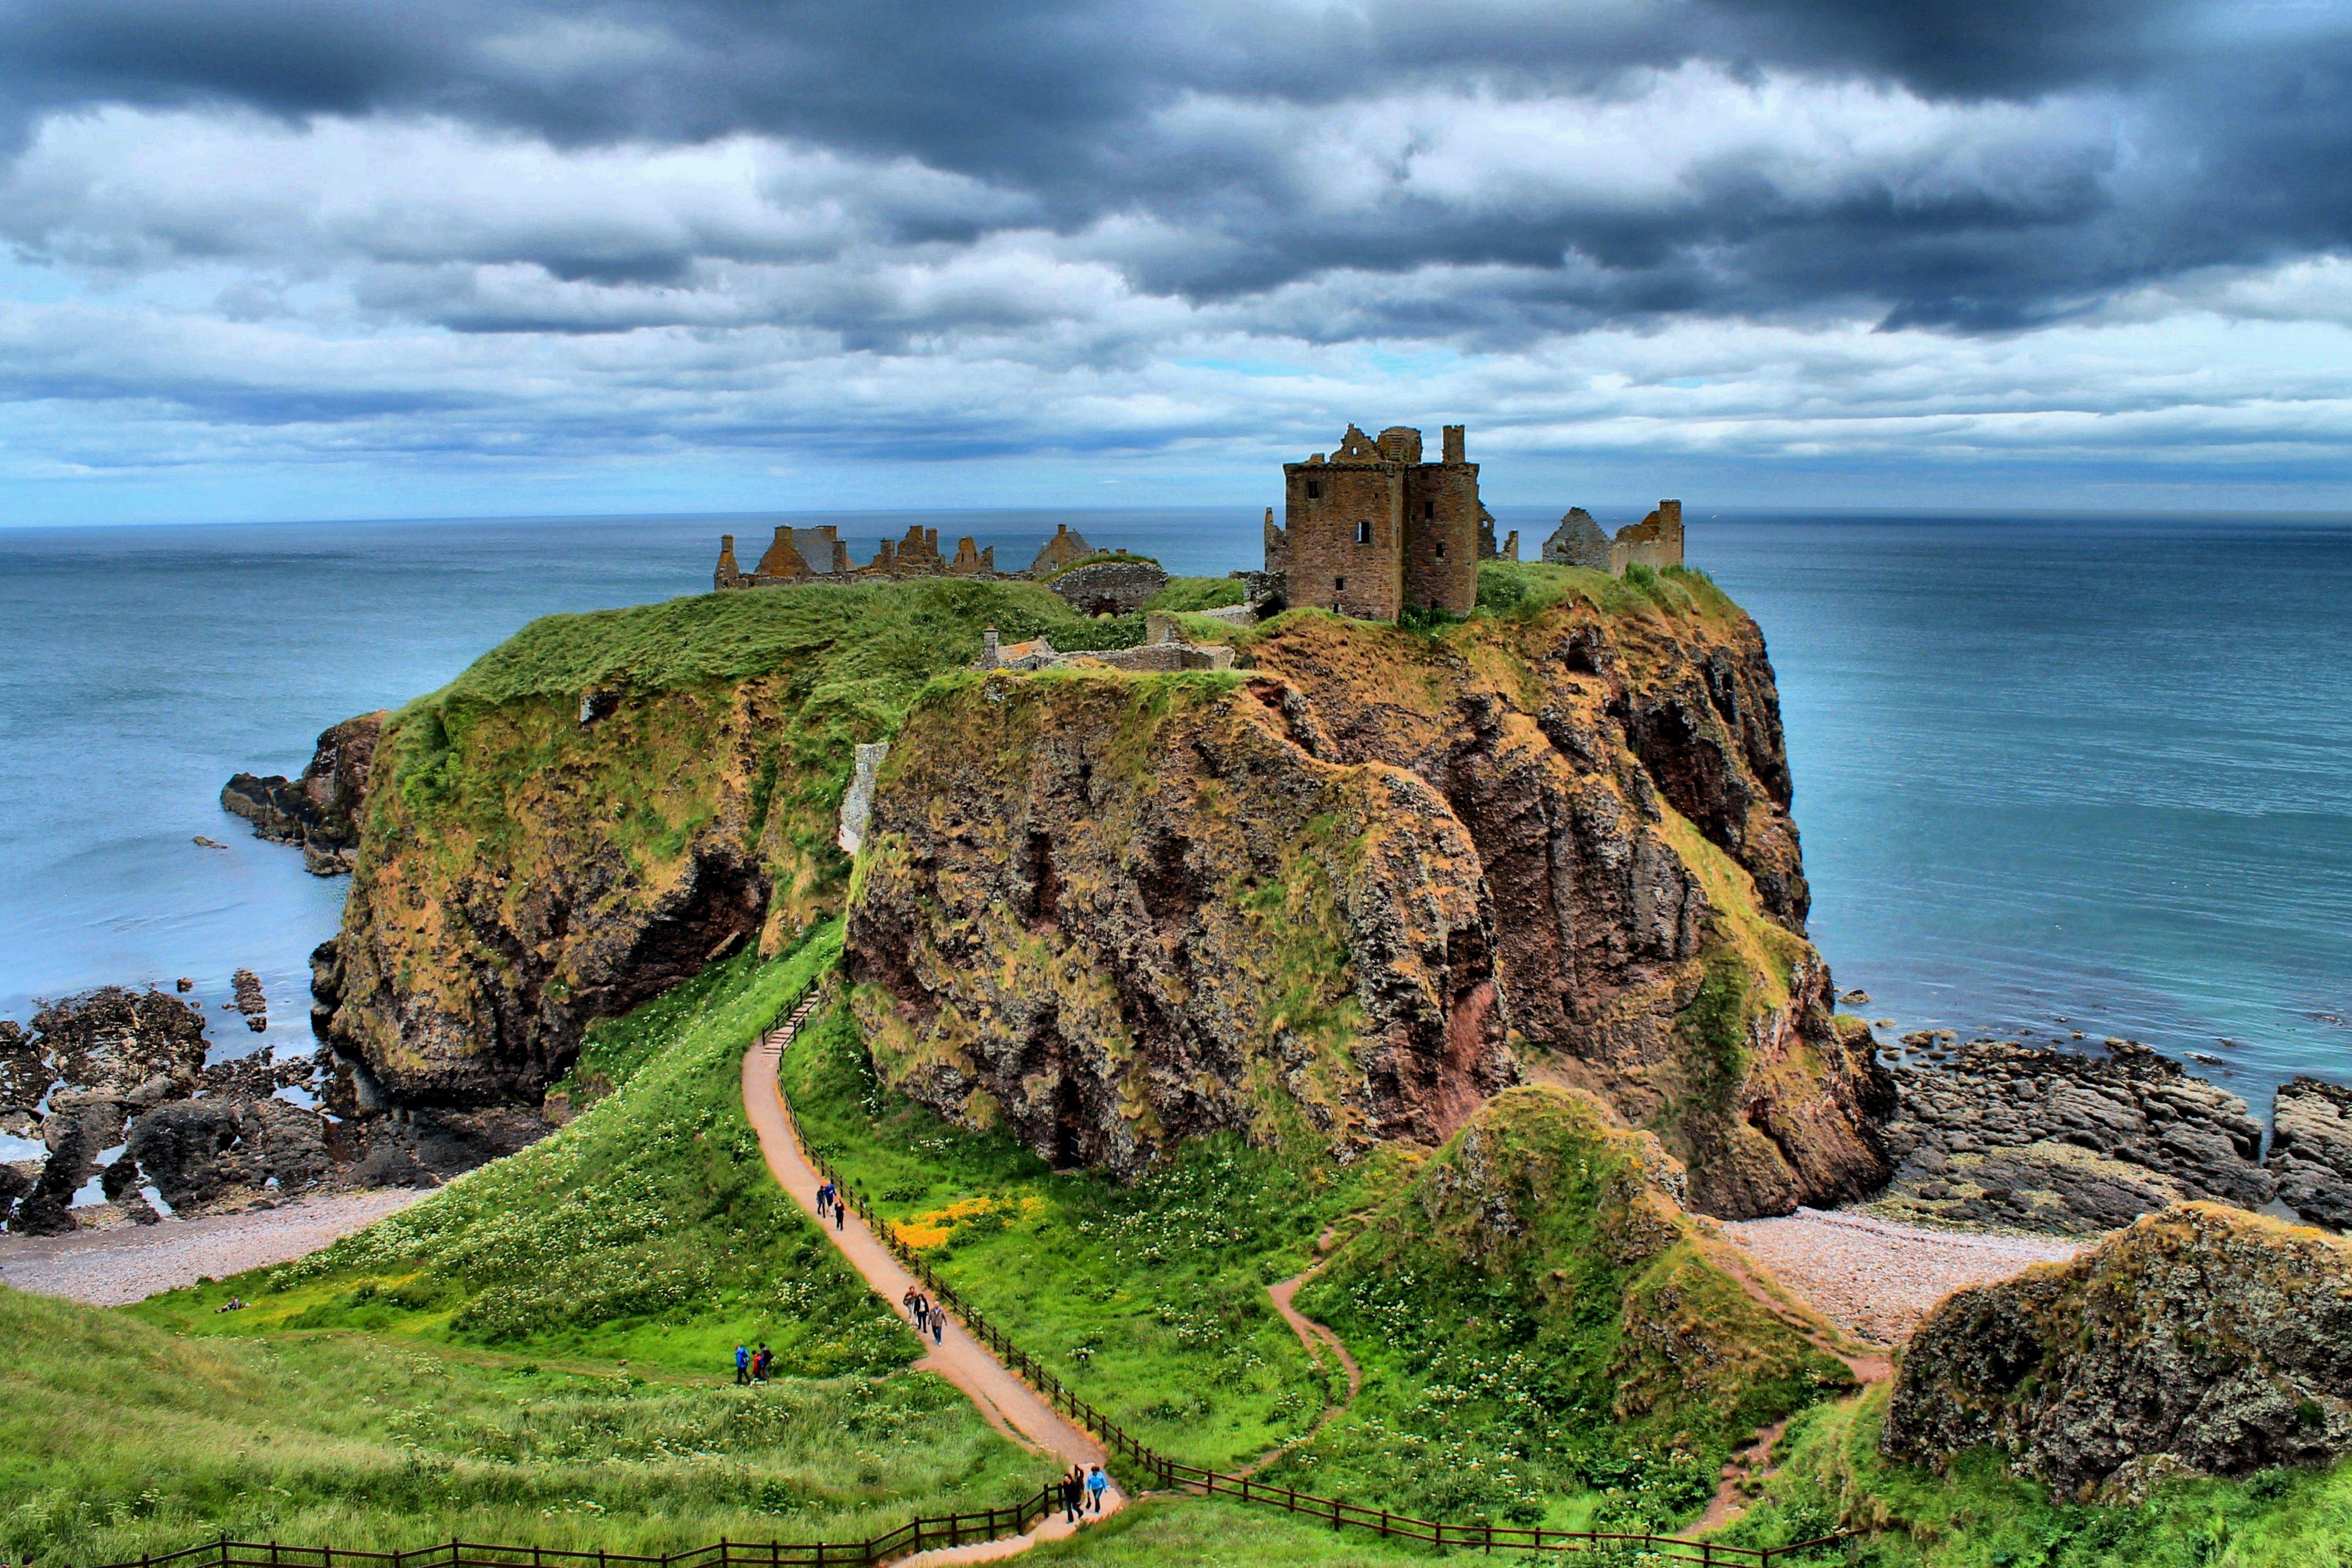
[
  {"x": 1996, "y": 1133},
  {"x": 117, "y": 1087}
]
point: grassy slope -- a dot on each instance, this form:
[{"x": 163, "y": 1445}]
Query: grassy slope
[
  {"x": 1544, "y": 1337},
  {"x": 648, "y": 1229},
  {"x": 1981, "y": 1515},
  {"x": 1149, "y": 1300},
  {"x": 117, "y": 1439}
]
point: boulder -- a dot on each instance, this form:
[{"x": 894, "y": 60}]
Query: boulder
[
  {"x": 2202, "y": 1340},
  {"x": 223, "y": 1152}
]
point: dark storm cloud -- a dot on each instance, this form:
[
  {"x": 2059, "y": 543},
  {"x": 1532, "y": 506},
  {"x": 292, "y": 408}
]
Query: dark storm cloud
[{"x": 2229, "y": 143}]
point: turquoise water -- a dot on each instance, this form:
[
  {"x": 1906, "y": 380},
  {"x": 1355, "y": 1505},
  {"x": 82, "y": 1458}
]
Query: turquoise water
[{"x": 2097, "y": 771}]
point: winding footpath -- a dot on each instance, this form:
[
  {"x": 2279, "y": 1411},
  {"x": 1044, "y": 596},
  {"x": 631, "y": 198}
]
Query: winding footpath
[{"x": 1010, "y": 1405}]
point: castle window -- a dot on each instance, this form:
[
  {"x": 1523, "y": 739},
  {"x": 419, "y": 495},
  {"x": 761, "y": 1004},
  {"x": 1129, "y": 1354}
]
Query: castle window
[
  {"x": 1429, "y": 509},
  {"x": 1440, "y": 549},
  {"x": 1315, "y": 490},
  {"x": 1363, "y": 533},
  {"x": 1338, "y": 585}
]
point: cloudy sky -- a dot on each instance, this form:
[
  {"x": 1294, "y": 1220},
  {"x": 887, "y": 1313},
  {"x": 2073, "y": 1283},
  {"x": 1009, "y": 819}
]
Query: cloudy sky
[{"x": 275, "y": 259}]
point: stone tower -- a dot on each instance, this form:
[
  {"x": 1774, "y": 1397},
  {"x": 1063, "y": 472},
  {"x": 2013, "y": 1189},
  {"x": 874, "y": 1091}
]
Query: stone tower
[{"x": 1372, "y": 529}]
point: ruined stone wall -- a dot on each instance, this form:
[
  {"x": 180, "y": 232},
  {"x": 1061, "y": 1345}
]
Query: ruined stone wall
[
  {"x": 1328, "y": 568},
  {"x": 1440, "y": 536}
]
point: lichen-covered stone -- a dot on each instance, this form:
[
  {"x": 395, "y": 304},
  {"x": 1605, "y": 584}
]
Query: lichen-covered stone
[
  {"x": 2203, "y": 1339},
  {"x": 1110, "y": 587}
]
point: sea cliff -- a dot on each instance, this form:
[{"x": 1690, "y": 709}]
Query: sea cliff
[{"x": 1339, "y": 894}]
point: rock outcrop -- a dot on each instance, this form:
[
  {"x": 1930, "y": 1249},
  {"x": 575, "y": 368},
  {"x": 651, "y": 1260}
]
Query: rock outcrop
[
  {"x": 2006, "y": 1133},
  {"x": 2311, "y": 1151},
  {"x": 116, "y": 1085},
  {"x": 2202, "y": 1340},
  {"x": 1598, "y": 838},
  {"x": 1108, "y": 916},
  {"x": 322, "y": 812}
]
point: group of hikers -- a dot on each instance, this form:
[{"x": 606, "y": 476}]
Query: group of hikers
[
  {"x": 926, "y": 1318},
  {"x": 752, "y": 1367},
  {"x": 1082, "y": 1490}
]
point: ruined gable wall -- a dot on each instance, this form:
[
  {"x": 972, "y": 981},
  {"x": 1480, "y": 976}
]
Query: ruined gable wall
[{"x": 1324, "y": 553}]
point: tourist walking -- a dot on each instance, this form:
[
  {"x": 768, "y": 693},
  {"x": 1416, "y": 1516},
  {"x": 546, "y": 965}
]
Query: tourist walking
[
  {"x": 760, "y": 1362},
  {"x": 939, "y": 1325},
  {"x": 743, "y": 1366},
  {"x": 1074, "y": 1492},
  {"x": 1098, "y": 1483}
]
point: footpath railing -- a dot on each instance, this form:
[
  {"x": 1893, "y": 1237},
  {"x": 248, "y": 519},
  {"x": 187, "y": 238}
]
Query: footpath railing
[{"x": 1168, "y": 1472}]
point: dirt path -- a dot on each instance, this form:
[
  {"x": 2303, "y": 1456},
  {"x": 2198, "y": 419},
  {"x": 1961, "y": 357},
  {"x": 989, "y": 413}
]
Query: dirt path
[
  {"x": 1869, "y": 1363},
  {"x": 1010, "y": 1405},
  {"x": 132, "y": 1262},
  {"x": 1318, "y": 1339}
]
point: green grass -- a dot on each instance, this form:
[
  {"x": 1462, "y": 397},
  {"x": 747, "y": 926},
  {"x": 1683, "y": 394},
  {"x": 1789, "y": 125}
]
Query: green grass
[
  {"x": 117, "y": 1439},
  {"x": 647, "y": 1230},
  {"x": 1983, "y": 1516},
  {"x": 1515, "y": 590},
  {"x": 1149, "y": 1300},
  {"x": 1545, "y": 1340},
  {"x": 1190, "y": 594}
]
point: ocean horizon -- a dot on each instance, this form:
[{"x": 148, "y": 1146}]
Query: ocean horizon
[{"x": 2054, "y": 772}]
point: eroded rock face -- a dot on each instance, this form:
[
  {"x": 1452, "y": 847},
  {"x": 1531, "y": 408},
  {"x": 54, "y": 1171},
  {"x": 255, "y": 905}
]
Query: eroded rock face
[
  {"x": 322, "y": 812},
  {"x": 1612, "y": 771},
  {"x": 2202, "y": 1340},
  {"x": 1608, "y": 794},
  {"x": 464, "y": 979},
  {"x": 2053, "y": 1140},
  {"x": 2311, "y": 1151},
  {"x": 1108, "y": 923}
]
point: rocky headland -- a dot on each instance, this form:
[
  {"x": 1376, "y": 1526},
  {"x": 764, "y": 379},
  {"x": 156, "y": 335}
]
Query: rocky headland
[
  {"x": 2201, "y": 1340},
  {"x": 1359, "y": 885},
  {"x": 1342, "y": 893},
  {"x": 319, "y": 813}
]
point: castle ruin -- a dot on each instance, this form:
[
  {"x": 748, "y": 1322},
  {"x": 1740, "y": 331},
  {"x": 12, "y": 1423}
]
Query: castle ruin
[
  {"x": 1656, "y": 541},
  {"x": 1372, "y": 531},
  {"x": 818, "y": 555}
]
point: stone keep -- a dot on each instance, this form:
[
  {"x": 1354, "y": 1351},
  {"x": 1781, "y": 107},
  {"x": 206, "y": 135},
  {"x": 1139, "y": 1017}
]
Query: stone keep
[{"x": 1371, "y": 529}]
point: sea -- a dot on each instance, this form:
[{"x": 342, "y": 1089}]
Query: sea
[{"x": 2053, "y": 774}]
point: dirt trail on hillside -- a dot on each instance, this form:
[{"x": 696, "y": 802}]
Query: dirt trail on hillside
[
  {"x": 1317, "y": 1338},
  {"x": 1010, "y": 1405}
]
